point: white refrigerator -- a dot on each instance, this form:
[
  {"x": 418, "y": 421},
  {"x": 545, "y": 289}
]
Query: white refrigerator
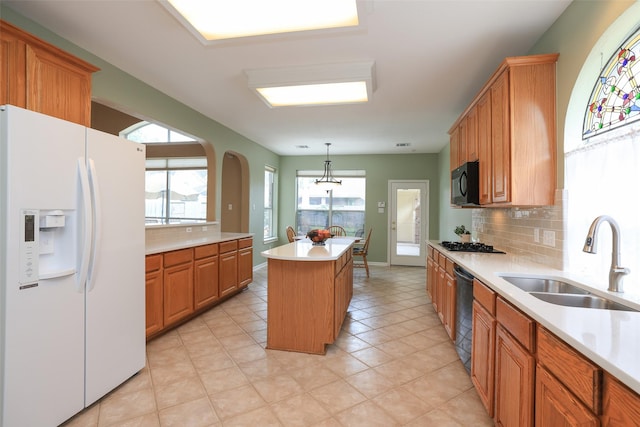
[{"x": 72, "y": 291}]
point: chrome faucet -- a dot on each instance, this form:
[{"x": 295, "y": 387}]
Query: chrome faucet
[{"x": 616, "y": 273}]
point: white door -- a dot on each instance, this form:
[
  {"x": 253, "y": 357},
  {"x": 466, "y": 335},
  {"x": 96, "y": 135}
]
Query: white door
[
  {"x": 42, "y": 322},
  {"x": 408, "y": 222},
  {"x": 115, "y": 294}
]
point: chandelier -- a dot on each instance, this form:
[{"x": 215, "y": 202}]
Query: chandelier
[{"x": 327, "y": 177}]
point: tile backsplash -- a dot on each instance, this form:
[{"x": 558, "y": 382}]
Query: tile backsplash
[{"x": 536, "y": 233}]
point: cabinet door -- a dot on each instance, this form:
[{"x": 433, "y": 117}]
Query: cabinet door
[
  {"x": 483, "y": 354},
  {"x": 12, "y": 69},
  {"x": 205, "y": 281},
  {"x": 432, "y": 274},
  {"x": 449, "y": 306},
  {"x": 484, "y": 147},
  {"x": 178, "y": 292},
  {"x": 153, "y": 299},
  {"x": 228, "y": 272},
  {"x": 245, "y": 267},
  {"x": 454, "y": 148},
  {"x": 501, "y": 140},
  {"x": 556, "y": 406},
  {"x": 440, "y": 288},
  {"x": 514, "y": 383},
  {"x": 620, "y": 405},
  {"x": 472, "y": 135}
]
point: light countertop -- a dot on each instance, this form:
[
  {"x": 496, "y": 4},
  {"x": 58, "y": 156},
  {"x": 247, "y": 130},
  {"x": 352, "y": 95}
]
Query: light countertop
[
  {"x": 303, "y": 250},
  {"x": 182, "y": 243},
  {"x": 609, "y": 338}
]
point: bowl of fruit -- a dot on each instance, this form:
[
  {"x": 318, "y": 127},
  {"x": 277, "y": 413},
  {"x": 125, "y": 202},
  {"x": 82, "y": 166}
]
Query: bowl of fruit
[{"x": 318, "y": 237}]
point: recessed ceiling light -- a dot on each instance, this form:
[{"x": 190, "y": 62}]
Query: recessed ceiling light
[
  {"x": 226, "y": 19},
  {"x": 403, "y": 144},
  {"x": 302, "y": 146},
  {"x": 328, "y": 84}
]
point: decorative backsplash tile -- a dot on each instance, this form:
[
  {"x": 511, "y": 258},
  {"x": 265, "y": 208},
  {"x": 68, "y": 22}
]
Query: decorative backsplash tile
[{"x": 536, "y": 233}]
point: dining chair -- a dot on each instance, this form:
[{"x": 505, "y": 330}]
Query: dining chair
[
  {"x": 291, "y": 233},
  {"x": 336, "y": 230},
  {"x": 361, "y": 250}
]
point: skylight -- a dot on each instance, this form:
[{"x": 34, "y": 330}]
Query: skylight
[{"x": 227, "y": 19}]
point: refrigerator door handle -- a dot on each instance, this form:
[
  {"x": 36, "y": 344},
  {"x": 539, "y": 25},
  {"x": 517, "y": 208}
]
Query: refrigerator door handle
[
  {"x": 87, "y": 219},
  {"x": 97, "y": 221}
]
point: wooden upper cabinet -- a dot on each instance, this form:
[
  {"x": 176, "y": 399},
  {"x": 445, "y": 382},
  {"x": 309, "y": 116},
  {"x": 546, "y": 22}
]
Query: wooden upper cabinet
[
  {"x": 41, "y": 77},
  {"x": 471, "y": 139},
  {"x": 500, "y": 142},
  {"x": 484, "y": 147},
  {"x": 516, "y": 112},
  {"x": 454, "y": 144}
]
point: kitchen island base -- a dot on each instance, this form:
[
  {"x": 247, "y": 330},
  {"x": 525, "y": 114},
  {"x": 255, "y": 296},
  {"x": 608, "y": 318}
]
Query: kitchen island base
[{"x": 307, "y": 302}]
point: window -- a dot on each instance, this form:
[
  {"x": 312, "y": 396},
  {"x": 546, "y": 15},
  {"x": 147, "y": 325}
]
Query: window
[
  {"x": 603, "y": 167},
  {"x": 269, "y": 204},
  {"x": 615, "y": 98},
  {"x": 342, "y": 205},
  {"x": 175, "y": 180}
]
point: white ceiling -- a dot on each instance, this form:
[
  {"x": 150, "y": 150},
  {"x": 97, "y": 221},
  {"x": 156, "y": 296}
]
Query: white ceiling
[{"x": 431, "y": 57}]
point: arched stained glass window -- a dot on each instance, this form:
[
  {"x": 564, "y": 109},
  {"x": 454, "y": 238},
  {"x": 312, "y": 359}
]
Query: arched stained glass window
[{"x": 615, "y": 99}]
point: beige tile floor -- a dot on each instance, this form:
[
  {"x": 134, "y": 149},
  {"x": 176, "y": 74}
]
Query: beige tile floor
[{"x": 392, "y": 365}]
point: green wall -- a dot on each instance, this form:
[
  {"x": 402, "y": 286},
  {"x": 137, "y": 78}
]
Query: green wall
[{"x": 379, "y": 170}]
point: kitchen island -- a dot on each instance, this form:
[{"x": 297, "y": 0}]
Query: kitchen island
[{"x": 309, "y": 290}]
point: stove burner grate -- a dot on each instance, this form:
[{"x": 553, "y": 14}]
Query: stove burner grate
[{"x": 470, "y": 247}]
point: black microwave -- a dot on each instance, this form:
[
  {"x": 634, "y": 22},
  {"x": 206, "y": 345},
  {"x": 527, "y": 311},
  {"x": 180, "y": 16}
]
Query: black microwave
[{"x": 465, "y": 185}]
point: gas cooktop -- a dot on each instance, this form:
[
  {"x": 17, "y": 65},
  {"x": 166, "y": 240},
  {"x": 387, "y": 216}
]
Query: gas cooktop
[{"x": 469, "y": 247}]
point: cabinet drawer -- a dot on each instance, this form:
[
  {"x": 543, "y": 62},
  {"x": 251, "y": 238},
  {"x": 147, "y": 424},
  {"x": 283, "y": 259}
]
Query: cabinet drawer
[
  {"x": 153, "y": 263},
  {"x": 430, "y": 252},
  {"x": 517, "y": 323},
  {"x": 442, "y": 261},
  {"x": 578, "y": 374},
  {"x": 245, "y": 243},
  {"x": 485, "y": 296},
  {"x": 178, "y": 257},
  {"x": 449, "y": 266},
  {"x": 206, "y": 251},
  {"x": 229, "y": 246}
]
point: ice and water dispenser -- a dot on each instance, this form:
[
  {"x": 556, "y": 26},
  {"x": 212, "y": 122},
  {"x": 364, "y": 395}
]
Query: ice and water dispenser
[{"x": 47, "y": 245}]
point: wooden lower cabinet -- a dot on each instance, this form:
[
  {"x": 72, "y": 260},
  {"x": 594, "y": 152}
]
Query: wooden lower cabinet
[
  {"x": 228, "y": 267},
  {"x": 483, "y": 344},
  {"x": 245, "y": 262},
  {"x": 205, "y": 276},
  {"x": 514, "y": 382},
  {"x": 181, "y": 284},
  {"x": 525, "y": 375},
  {"x": 153, "y": 294},
  {"x": 557, "y": 406},
  {"x": 178, "y": 285},
  {"x": 620, "y": 405}
]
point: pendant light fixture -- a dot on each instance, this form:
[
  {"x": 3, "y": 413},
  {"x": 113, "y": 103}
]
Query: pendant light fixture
[{"x": 327, "y": 178}]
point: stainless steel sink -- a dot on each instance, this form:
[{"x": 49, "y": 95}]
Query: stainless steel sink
[
  {"x": 584, "y": 301},
  {"x": 542, "y": 284}
]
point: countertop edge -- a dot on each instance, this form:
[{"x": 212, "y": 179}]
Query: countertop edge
[
  {"x": 160, "y": 247},
  {"x": 303, "y": 250}
]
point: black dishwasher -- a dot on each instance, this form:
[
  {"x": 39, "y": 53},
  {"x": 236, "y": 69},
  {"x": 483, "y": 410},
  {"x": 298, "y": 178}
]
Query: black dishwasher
[{"x": 464, "y": 315}]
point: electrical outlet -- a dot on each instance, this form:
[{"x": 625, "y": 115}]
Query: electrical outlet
[
  {"x": 230, "y": 206},
  {"x": 536, "y": 235},
  {"x": 204, "y": 228},
  {"x": 188, "y": 229},
  {"x": 549, "y": 238}
]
